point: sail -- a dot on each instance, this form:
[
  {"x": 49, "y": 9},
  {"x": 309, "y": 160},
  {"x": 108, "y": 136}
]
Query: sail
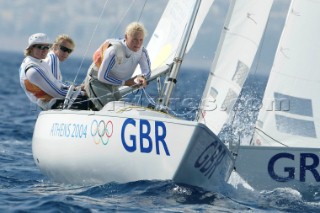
[
  {"x": 290, "y": 114},
  {"x": 239, "y": 41},
  {"x": 165, "y": 39}
]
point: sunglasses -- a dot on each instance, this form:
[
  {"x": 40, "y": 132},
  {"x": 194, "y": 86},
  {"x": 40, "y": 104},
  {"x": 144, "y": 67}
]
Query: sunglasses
[
  {"x": 42, "y": 47},
  {"x": 65, "y": 49}
]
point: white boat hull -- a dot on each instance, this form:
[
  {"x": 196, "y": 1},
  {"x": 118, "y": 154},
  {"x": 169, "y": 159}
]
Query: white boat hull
[
  {"x": 267, "y": 168},
  {"x": 85, "y": 147}
]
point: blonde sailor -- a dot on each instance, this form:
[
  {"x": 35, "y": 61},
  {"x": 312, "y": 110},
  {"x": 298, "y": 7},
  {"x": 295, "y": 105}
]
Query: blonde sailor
[{"x": 114, "y": 64}]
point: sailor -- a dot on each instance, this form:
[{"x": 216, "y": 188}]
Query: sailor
[
  {"x": 60, "y": 51},
  {"x": 114, "y": 63},
  {"x": 36, "y": 78}
]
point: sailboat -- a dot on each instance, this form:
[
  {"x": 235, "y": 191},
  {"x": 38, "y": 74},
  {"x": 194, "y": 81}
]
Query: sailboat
[
  {"x": 238, "y": 45},
  {"x": 285, "y": 147},
  {"x": 124, "y": 142}
]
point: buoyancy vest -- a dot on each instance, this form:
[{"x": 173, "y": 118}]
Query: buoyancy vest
[
  {"x": 34, "y": 89},
  {"x": 99, "y": 53}
]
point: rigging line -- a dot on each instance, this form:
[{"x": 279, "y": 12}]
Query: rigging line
[
  {"x": 261, "y": 47},
  {"x": 145, "y": 2},
  {"x": 139, "y": 101},
  {"x": 149, "y": 98},
  {"x": 89, "y": 44},
  {"x": 256, "y": 65},
  {"x": 191, "y": 111},
  {"x": 270, "y": 137},
  {"x": 96, "y": 98},
  {"x": 101, "y": 96},
  {"x": 125, "y": 14}
]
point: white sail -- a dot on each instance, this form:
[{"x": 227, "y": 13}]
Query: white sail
[
  {"x": 238, "y": 45},
  {"x": 165, "y": 40},
  {"x": 290, "y": 114},
  {"x": 147, "y": 140}
]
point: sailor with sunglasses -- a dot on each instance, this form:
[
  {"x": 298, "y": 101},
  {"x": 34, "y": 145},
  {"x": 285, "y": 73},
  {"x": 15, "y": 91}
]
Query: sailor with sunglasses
[
  {"x": 61, "y": 49},
  {"x": 36, "y": 77}
]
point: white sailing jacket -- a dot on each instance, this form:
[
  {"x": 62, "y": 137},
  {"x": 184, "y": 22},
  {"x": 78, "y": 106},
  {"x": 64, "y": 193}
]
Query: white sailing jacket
[
  {"x": 39, "y": 83},
  {"x": 54, "y": 63},
  {"x": 116, "y": 71}
]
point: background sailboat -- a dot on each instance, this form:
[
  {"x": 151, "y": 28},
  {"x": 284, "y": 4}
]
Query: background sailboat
[
  {"x": 289, "y": 113},
  {"x": 285, "y": 147},
  {"x": 239, "y": 42}
]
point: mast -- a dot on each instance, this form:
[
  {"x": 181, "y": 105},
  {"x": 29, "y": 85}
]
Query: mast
[{"x": 171, "y": 80}]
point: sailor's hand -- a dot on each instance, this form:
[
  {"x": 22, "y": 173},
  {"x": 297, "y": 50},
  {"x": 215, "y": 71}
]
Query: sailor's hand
[
  {"x": 140, "y": 81},
  {"x": 81, "y": 86},
  {"x": 83, "y": 93}
]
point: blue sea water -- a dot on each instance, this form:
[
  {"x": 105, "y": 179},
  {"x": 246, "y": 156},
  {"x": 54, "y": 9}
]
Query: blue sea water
[{"x": 24, "y": 189}]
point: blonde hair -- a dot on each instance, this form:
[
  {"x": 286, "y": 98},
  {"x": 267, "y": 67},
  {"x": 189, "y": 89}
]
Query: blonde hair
[
  {"x": 135, "y": 27},
  {"x": 27, "y": 52},
  {"x": 61, "y": 38}
]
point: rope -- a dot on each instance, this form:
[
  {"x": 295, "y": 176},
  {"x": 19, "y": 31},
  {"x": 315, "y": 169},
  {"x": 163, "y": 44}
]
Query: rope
[
  {"x": 145, "y": 2},
  {"x": 89, "y": 44},
  {"x": 112, "y": 93},
  {"x": 183, "y": 114},
  {"x": 125, "y": 14},
  {"x": 149, "y": 98},
  {"x": 96, "y": 27},
  {"x": 113, "y": 33},
  {"x": 275, "y": 140}
]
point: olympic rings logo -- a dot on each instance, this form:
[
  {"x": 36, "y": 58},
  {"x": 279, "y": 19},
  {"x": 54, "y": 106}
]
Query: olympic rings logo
[{"x": 102, "y": 130}]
